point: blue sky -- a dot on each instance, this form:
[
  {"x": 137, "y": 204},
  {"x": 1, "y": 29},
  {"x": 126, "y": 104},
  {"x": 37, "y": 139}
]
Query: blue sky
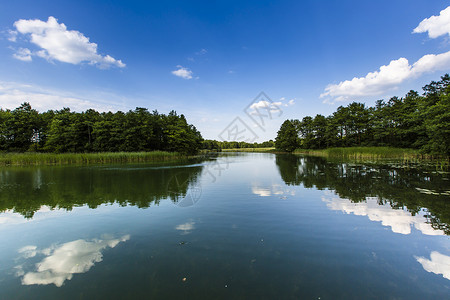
[{"x": 210, "y": 59}]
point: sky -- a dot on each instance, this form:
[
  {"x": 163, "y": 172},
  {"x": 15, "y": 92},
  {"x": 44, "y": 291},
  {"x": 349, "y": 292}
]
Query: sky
[{"x": 229, "y": 66}]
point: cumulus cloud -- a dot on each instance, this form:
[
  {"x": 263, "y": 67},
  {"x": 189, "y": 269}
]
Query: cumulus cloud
[
  {"x": 388, "y": 77},
  {"x": 435, "y": 25},
  {"x": 431, "y": 62},
  {"x": 56, "y": 42},
  {"x": 13, "y": 94},
  {"x": 437, "y": 264},
  {"x": 182, "y": 72},
  {"x": 399, "y": 220},
  {"x": 63, "y": 261}
]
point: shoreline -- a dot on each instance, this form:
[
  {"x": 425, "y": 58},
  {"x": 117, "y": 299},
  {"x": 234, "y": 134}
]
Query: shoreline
[{"x": 52, "y": 159}]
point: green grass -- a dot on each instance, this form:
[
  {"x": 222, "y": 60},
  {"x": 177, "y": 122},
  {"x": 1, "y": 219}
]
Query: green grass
[
  {"x": 365, "y": 152},
  {"x": 30, "y": 158},
  {"x": 268, "y": 149}
]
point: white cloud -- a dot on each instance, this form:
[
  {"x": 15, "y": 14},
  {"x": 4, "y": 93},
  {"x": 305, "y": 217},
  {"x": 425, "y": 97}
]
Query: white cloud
[
  {"x": 432, "y": 62},
  {"x": 58, "y": 43},
  {"x": 13, "y": 94},
  {"x": 12, "y": 35},
  {"x": 388, "y": 77},
  {"x": 272, "y": 107},
  {"x": 23, "y": 54},
  {"x": 435, "y": 25},
  {"x": 183, "y": 72},
  {"x": 438, "y": 264},
  {"x": 61, "y": 262},
  {"x": 399, "y": 220}
]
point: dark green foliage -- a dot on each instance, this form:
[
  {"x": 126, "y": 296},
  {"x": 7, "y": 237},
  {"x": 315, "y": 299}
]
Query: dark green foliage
[
  {"x": 417, "y": 122},
  {"x": 287, "y": 139},
  {"x": 63, "y": 131}
]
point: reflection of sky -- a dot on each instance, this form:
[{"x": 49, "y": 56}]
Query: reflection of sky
[
  {"x": 62, "y": 261},
  {"x": 399, "y": 220},
  {"x": 437, "y": 264},
  {"x": 186, "y": 227},
  {"x": 274, "y": 189},
  {"x": 9, "y": 217}
]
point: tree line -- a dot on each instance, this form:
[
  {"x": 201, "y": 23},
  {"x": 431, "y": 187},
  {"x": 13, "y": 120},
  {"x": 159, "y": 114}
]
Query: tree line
[
  {"x": 414, "y": 121},
  {"x": 59, "y": 131},
  {"x": 214, "y": 145}
]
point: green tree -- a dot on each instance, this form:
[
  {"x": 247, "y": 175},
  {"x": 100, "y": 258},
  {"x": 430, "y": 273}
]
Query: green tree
[{"x": 287, "y": 138}]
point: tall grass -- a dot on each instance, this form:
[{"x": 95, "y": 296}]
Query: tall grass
[
  {"x": 366, "y": 152},
  {"x": 18, "y": 159}
]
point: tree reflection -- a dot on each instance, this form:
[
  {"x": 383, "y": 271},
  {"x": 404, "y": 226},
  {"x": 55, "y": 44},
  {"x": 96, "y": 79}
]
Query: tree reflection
[
  {"x": 25, "y": 190},
  {"x": 396, "y": 185}
]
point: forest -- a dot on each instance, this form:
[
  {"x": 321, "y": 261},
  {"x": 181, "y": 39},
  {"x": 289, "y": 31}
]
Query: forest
[
  {"x": 414, "y": 121},
  {"x": 214, "y": 145},
  {"x": 63, "y": 131}
]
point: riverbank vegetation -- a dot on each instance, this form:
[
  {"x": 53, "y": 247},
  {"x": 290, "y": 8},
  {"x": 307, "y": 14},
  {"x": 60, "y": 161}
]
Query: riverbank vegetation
[
  {"x": 26, "y": 130},
  {"x": 34, "y": 158},
  {"x": 419, "y": 122},
  {"x": 364, "y": 152}
]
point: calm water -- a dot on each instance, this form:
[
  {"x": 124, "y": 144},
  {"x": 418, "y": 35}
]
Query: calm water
[{"x": 242, "y": 226}]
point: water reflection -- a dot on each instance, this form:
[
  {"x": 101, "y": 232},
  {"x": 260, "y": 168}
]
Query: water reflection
[
  {"x": 186, "y": 228},
  {"x": 392, "y": 194},
  {"x": 274, "y": 189},
  {"x": 399, "y": 220},
  {"x": 26, "y": 190},
  {"x": 437, "y": 264},
  {"x": 61, "y": 262}
]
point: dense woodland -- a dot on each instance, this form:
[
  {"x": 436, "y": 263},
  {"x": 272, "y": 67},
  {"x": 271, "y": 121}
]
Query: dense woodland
[
  {"x": 414, "y": 121},
  {"x": 25, "y": 129}
]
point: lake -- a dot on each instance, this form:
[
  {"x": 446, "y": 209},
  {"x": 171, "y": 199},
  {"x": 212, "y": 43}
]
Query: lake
[{"x": 230, "y": 226}]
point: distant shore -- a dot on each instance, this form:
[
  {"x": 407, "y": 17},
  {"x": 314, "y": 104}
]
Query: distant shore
[
  {"x": 353, "y": 153},
  {"x": 32, "y": 158}
]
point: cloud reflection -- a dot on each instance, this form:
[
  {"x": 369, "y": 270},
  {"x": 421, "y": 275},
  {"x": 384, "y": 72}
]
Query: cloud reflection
[
  {"x": 399, "y": 220},
  {"x": 62, "y": 261},
  {"x": 186, "y": 227},
  {"x": 274, "y": 189},
  {"x": 438, "y": 264}
]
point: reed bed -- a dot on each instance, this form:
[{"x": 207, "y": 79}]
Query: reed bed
[
  {"x": 30, "y": 158},
  {"x": 366, "y": 152}
]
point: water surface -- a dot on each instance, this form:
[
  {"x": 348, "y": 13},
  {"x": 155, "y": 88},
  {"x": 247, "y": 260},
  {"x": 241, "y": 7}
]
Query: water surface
[{"x": 236, "y": 226}]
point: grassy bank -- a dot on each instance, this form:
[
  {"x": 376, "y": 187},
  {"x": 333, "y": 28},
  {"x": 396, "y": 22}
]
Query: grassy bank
[
  {"x": 22, "y": 159},
  {"x": 366, "y": 153},
  {"x": 269, "y": 149}
]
